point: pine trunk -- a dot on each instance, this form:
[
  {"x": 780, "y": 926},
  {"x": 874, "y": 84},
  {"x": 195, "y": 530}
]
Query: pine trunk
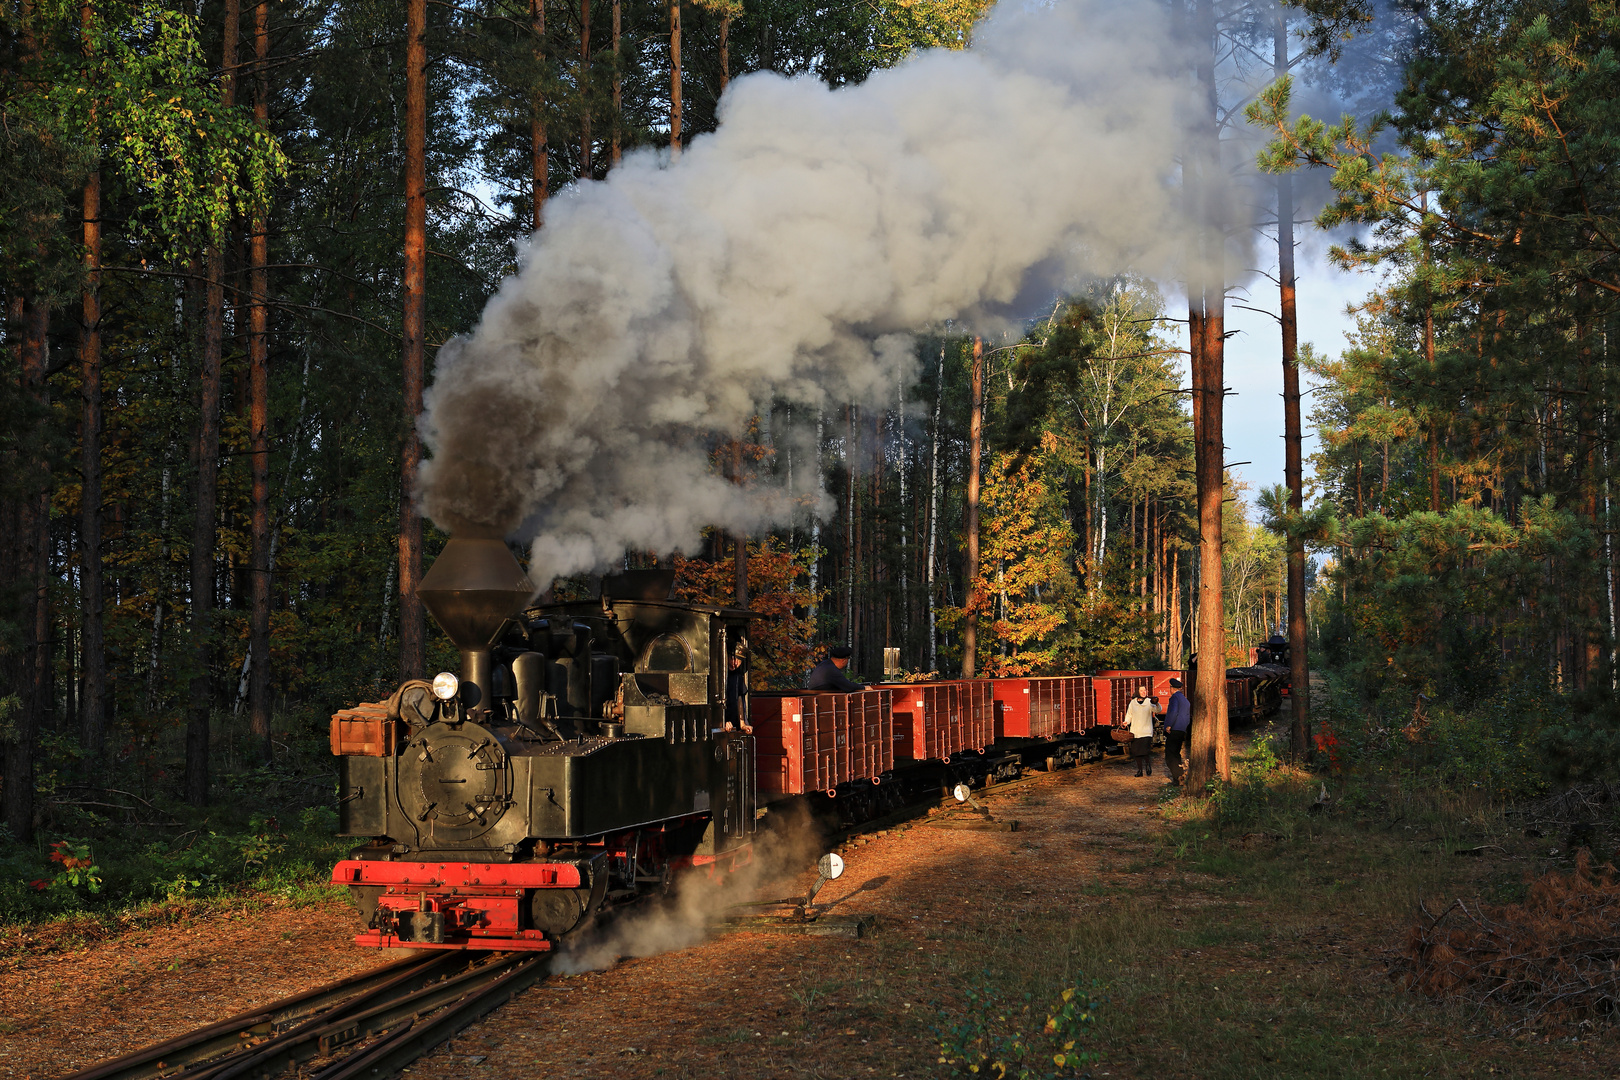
[
  {"x": 618, "y": 85},
  {"x": 725, "y": 52},
  {"x": 933, "y": 517},
  {"x": 539, "y": 151},
  {"x": 411, "y": 648},
  {"x": 1207, "y": 319},
  {"x": 259, "y": 416},
  {"x": 1299, "y": 670},
  {"x": 674, "y": 78},
  {"x": 970, "y": 632},
  {"x": 93, "y": 664},
  {"x": 584, "y": 84}
]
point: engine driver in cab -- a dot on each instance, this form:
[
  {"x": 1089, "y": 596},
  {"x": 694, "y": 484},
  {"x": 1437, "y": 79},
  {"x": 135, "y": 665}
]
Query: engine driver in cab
[
  {"x": 829, "y": 674},
  {"x": 737, "y": 690}
]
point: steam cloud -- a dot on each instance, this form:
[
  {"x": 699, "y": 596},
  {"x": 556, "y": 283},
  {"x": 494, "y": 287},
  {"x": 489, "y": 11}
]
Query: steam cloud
[
  {"x": 698, "y": 905},
  {"x": 786, "y": 257}
]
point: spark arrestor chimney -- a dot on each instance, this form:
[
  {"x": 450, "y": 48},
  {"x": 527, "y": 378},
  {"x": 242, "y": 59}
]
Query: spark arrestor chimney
[{"x": 472, "y": 589}]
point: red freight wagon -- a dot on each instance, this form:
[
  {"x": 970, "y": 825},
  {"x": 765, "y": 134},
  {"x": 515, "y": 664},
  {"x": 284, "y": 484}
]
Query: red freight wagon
[
  {"x": 939, "y": 719},
  {"x": 978, "y": 714},
  {"x": 1115, "y": 689},
  {"x": 815, "y": 741},
  {"x": 1239, "y": 698},
  {"x": 1085, "y": 704},
  {"x": 1038, "y": 707}
]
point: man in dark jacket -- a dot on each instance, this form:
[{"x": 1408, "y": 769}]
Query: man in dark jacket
[
  {"x": 1177, "y": 729},
  {"x": 829, "y": 674}
]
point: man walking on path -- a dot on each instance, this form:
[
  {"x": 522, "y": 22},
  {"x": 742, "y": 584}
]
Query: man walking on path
[{"x": 1177, "y": 728}]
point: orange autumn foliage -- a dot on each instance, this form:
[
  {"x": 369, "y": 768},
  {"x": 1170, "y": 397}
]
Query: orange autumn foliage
[
  {"x": 1024, "y": 588},
  {"x": 783, "y": 639}
]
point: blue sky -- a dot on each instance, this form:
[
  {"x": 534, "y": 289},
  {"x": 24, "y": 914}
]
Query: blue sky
[{"x": 1254, "y": 410}]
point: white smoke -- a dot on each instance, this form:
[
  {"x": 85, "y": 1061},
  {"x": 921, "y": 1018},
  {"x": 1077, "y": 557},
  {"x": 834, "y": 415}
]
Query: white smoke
[
  {"x": 700, "y": 902},
  {"x": 785, "y": 257}
]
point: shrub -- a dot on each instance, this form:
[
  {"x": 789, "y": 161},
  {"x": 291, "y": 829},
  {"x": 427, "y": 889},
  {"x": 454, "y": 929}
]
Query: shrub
[{"x": 989, "y": 1036}]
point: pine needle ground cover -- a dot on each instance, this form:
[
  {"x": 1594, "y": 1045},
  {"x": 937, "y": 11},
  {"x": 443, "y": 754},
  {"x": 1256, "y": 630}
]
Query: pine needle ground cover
[{"x": 1549, "y": 964}]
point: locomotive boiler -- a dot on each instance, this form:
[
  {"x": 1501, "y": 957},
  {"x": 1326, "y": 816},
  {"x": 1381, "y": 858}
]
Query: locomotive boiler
[{"x": 582, "y": 755}]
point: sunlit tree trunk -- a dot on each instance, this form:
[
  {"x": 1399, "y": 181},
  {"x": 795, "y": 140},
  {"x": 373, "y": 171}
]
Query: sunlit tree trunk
[
  {"x": 1293, "y": 465},
  {"x": 739, "y": 541},
  {"x": 725, "y": 50},
  {"x": 933, "y": 516},
  {"x": 674, "y": 78},
  {"x": 411, "y": 656},
  {"x": 970, "y": 631},
  {"x": 1207, "y": 323},
  {"x": 618, "y": 86},
  {"x": 539, "y": 151}
]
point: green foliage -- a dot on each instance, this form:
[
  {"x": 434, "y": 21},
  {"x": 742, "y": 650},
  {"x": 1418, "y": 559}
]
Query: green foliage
[
  {"x": 1245, "y": 798},
  {"x": 1467, "y": 435},
  {"x": 989, "y": 1036},
  {"x": 1426, "y": 594},
  {"x": 78, "y": 866},
  {"x": 129, "y": 868}
]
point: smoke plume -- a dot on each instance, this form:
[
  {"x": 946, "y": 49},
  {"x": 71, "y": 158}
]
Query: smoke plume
[
  {"x": 699, "y": 903},
  {"x": 786, "y": 257}
]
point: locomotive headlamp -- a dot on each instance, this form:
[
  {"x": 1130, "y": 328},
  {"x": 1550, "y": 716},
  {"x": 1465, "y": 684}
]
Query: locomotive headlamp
[{"x": 445, "y": 686}]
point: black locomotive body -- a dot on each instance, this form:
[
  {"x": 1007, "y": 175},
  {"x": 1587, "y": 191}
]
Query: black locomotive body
[{"x": 582, "y": 755}]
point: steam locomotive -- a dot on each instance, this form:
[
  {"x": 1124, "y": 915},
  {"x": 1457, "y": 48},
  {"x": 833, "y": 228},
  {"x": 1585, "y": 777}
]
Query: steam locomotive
[
  {"x": 582, "y": 754},
  {"x": 589, "y": 752}
]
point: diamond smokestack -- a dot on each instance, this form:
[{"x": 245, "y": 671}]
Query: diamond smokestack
[{"x": 472, "y": 589}]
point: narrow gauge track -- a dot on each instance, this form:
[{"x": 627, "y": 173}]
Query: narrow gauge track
[
  {"x": 399, "y": 1011},
  {"x": 386, "y": 1018},
  {"x": 915, "y": 810}
]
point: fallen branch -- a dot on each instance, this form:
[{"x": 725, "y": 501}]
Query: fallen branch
[{"x": 1551, "y": 962}]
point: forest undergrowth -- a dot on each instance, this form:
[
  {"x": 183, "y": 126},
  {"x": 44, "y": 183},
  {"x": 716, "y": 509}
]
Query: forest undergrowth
[
  {"x": 1491, "y": 886},
  {"x": 122, "y": 847}
]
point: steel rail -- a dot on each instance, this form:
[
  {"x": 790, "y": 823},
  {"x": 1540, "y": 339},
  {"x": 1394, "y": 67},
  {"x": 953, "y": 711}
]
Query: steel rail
[
  {"x": 233, "y": 1035},
  {"x": 324, "y": 1035},
  {"x": 416, "y": 1037}
]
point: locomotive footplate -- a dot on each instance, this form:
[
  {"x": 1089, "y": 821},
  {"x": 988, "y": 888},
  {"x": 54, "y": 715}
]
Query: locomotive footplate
[{"x": 467, "y": 905}]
